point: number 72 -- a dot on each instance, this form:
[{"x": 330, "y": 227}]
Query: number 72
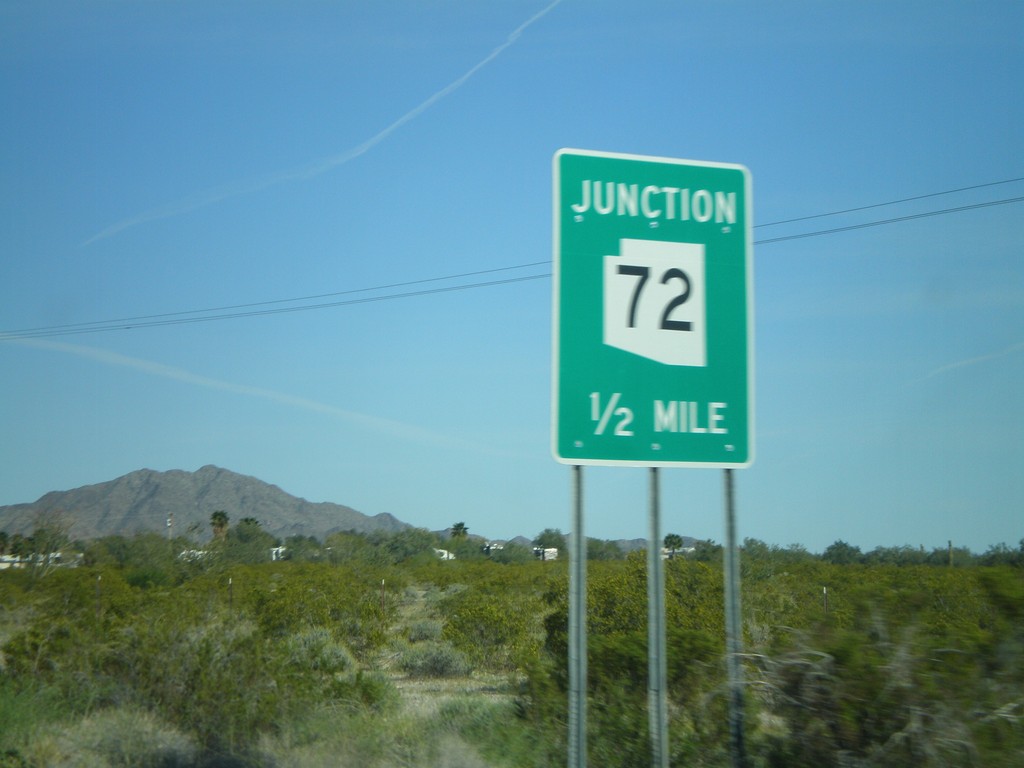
[
  {"x": 643, "y": 273},
  {"x": 654, "y": 301}
]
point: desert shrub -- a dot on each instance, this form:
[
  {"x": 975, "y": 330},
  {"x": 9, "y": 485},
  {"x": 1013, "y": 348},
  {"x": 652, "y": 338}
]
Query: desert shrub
[
  {"x": 11, "y": 757},
  {"x": 69, "y": 636},
  {"x": 370, "y": 690},
  {"x": 438, "y": 596},
  {"x": 430, "y": 659},
  {"x": 529, "y": 577},
  {"x": 329, "y": 737},
  {"x": 147, "y": 577},
  {"x": 316, "y": 650},
  {"x": 94, "y": 599},
  {"x": 120, "y": 738},
  {"x": 302, "y": 595},
  {"x": 146, "y": 559},
  {"x": 910, "y": 665},
  {"x": 497, "y": 631},
  {"x": 512, "y": 554},
  {"x": 497, "y": 731},
  {"x": 219, "y": 681},
  {"x": 426, "y": 629},
  {"x": 617, "y": 602},
  {"x": 406, "y": 546},
  {"x": 858, "y": 702},
  {"x": 618, "y": 663},
  {"x": 26, "y": 708},
  {"x": 225, "y": 666}
]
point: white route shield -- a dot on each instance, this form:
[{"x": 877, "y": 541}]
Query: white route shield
[{"x": 654, "y": 301}]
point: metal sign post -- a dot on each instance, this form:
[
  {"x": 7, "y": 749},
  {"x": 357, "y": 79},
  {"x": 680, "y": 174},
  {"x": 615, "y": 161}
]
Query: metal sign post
[
  {"x": 657, "y": 665},
  {"x": 577, "y": 628},
  {"x": 733, "y": 630}
]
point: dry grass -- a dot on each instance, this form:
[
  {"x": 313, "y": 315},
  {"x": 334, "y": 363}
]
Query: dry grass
[{"x": 117, "y": 738}]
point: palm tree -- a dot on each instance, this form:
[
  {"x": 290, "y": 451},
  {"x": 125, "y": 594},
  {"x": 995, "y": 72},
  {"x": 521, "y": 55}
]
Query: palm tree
[
  {"x": 459, "y": 531},
  {"x": 673, "y": 543},
  {"x": 219, "y": 523}
]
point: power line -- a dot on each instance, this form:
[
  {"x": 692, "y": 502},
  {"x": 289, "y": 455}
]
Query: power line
[
  {"x": 257, "y": 309},
  {"x": 880, "y": 222},
  {"x": 126, "y": 325},
  {"x": 135, "y": 321},
  {"x": 891, "y": 202}
]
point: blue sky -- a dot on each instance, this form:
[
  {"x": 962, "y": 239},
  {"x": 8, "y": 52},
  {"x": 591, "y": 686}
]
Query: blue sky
[{"x": 164, "y": 157}]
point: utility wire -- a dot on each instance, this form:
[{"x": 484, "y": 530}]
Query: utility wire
[
  {"x": 127, "y": 325},
  {"x": 134, "y": 321},
  {"x": 891, "y": 202},
  {"x": 880, "y": 222},
  {"x": 261, "y": 308}
]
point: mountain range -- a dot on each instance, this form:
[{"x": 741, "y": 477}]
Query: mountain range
[{"x": 145, "y": 500}]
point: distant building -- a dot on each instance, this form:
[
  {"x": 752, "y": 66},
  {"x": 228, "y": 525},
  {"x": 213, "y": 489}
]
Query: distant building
[
  {"x": 52, "y": 560},
  {"x": 545, "y": 553},
  {"x": 668, "y": 554}
]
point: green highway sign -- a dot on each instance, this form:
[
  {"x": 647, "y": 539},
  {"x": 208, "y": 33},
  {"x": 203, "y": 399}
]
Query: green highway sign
[{"x": 653, "y": 312}]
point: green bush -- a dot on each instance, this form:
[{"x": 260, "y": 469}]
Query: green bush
[
  {"x": 427, "y": 629},
  {"x": 496, "y": 730},
  {"x": 68, "y": 638},
  {"x": 495, "y": 634},
  {"x": 286, "y": 597},
  {"x": 25, "y": 709},
  {"x": 120, "y": 738},
  {"x": 219, "y": 681},
  {"x": 316, "y": 650},
  {"x": 909, "y": 664},
  {"x": 12, "y": 758},
  {"x": 372, "y": 691},
  {"x": 431, "y": 659}
]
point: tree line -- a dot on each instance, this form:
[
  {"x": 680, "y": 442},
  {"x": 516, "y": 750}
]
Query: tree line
[{"x": 247, "y": 541}]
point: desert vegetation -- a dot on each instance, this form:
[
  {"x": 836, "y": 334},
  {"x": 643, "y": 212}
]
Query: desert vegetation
[{"x": 367, "y": 650}]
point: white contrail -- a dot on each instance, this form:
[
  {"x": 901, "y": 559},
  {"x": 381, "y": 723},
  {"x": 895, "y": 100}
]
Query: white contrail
[
  {"x": 974, "y": 360},
  {"x": 393, "y": 428},
  {"x": 322, "y": 165}
]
